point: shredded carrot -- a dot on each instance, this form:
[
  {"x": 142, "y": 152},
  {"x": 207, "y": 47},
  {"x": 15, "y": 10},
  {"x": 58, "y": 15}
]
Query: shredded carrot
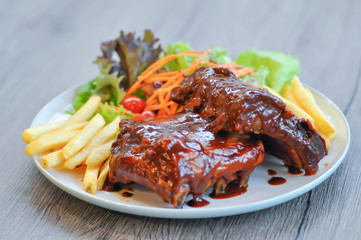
[
  {"x": 167, "y": 96},
  {"x": 161, "y": 112},
  {"x": 166, "y": 73},
  {"x": 160, "y": 98},
  {"x": 167, "y": 110},
  {"x": 162, "y": 90},
  {"x": 230, "y": 64},
  {"x": 152, "y": 102},
  {"x": 155, "y": 107},
  {"x": 173, "y": 107},
  {"x": 252, "y": 84},
  {"x": 155, "y": 79},
  {"x": 161, "y": 62},
  {"x": 211, "y": 64},
  {"x": 243, "y": 71}
]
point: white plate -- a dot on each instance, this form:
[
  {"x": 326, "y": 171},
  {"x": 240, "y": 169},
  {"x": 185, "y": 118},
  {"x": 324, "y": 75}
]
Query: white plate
[{"x": 259, "y": 195}]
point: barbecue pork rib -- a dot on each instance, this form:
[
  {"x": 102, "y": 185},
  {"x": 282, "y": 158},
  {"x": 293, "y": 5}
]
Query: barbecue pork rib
[
  {"x": 176, "y": 155},
  {"x": 231, "y": 105}
]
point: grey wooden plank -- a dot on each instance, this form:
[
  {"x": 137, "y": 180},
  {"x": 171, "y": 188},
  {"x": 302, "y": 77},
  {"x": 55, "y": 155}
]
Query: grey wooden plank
[
  {"x": 334, "y": 206},
  {"x": 47, "y": 46}
]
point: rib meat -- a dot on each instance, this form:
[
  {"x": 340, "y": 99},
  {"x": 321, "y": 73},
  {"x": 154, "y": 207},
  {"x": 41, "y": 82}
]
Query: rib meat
[
  {"x": 234, "y": 106},
  {"x": 177, "y": 155}
]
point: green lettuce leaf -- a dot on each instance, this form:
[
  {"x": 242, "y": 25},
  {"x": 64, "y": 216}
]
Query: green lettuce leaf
[
  {"x": 106, "y": 85},
  {"x": 82, "y": 95},
  {"x": 259, "y": 77},
  {"x": 181, "y": 62},
  {"x": 110, "y": 112},
  {"x": 281, "y": 68},
  {"x": 217, "y": 55}
]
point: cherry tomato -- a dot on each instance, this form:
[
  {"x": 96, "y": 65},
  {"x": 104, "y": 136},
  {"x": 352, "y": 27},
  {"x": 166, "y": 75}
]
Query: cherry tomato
[
  {"x": 145, "y": 114},
  {"x": 134, "y": 104}
]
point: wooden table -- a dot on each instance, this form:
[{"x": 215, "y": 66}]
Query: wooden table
[{"x": 47, "y": 47}]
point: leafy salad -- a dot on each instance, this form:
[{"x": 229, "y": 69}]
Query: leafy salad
[{"x": 136, "y": 75}]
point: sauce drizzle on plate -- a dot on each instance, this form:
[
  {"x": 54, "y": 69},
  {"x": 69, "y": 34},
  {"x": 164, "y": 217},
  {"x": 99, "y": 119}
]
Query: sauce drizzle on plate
[
  {"x": 198, "y": 202},
  {"x": 277, "y": 181}
]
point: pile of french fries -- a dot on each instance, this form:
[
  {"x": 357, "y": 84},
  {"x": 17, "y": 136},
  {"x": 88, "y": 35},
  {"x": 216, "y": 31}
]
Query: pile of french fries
[
  {"x": 75, "y": 142},
  {"x": 302, "y": 103}
]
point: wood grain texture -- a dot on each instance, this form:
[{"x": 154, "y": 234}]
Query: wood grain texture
[{"x": 47, "y": 46}]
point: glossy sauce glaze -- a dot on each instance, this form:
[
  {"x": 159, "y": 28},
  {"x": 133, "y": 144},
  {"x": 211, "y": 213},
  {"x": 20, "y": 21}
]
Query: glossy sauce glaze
[
  {"x": 232, "y": 190},
  {"x": 111, "y": 187},
  {"x": 294, "y": 171},
  {"x": 277, "y": 181},
  {"x": 271, "y": 172},
  {"x": 127, "y": 194},
  {"x": 176, "y": 155},
  {"x": 197, "y": 202},
  {"x": 232, "y": 105}
]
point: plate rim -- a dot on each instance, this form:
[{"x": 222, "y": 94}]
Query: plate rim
[{"x": 194, "y": 213}]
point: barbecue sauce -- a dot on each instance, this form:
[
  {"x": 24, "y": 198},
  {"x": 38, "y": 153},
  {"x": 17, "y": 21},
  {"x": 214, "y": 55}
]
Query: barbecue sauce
[
  {"x": 232, "y": 190},
  {"x": 294, "y": 171},
  {"x": 197, "y": 202},
  {"x": 271, "y": 172},
  {"x": 127, "y": 194},
  {"x": 153, "y": 152},
  {"x": 112, "y": 187},
  {"x": 277, "y": 181},
  {"x": 231, "y": 105}
]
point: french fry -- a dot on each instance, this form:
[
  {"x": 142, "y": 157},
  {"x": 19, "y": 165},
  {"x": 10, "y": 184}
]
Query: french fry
[
  {"x": 91, "y": 178},
  {"x": 287, "y": 94},
  {"x": 103, "y": 175},
  {"x": 49, "y": 141},
  {"x": 99, "y": 154},
  {"x": 86, "y": 111},
  {"x": 52, "y": 159},
  {"x": 103, "y": 135},
  {"x": 33, "y": 133},
  {"x": 310, "y": 95},
  {"x": 291, "y": 106},
  {"x": 83, "y": 137},
  {"x": 323, "y": 125},
  {"x": 73, "y": 126},
  {"x": 104, "y": 164}
]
